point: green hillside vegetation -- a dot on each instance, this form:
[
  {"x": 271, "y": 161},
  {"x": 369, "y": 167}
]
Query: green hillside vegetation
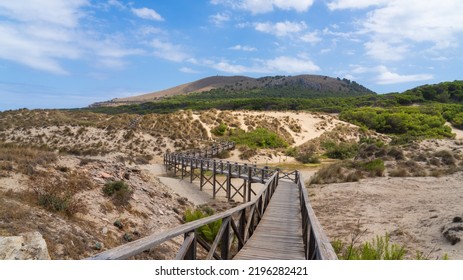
[{"x": 416, "y": 113}]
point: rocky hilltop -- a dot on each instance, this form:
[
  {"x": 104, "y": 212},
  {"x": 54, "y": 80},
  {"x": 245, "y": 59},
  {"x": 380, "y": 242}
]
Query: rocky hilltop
[{"x": 316, "y": 83}]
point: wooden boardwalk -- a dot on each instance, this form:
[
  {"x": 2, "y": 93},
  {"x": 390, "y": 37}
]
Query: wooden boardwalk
[{"x": 279, "y": 234}]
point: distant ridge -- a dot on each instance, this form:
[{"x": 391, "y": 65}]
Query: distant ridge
[{"x": 238, "y": 83}]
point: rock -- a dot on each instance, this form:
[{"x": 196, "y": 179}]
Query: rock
[
  {"x": 136, "y": 169},
  {"x": 105, "y": 175},
  {"x": 127, "y": 175},
  {"x": 453, "y": 232},
  {"x": 29, "y": 246},
  {"x": 457, "y": 219},
  {"x": 104, "y": 230}
]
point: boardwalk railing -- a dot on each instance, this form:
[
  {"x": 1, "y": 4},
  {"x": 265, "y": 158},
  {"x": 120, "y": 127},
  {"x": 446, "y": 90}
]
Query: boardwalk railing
[
  {"x": 238, "y": 224},
  {"x": 316, "y": 244}
]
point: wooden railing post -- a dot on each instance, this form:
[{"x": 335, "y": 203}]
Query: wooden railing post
[{"x": 225, "y": 240}]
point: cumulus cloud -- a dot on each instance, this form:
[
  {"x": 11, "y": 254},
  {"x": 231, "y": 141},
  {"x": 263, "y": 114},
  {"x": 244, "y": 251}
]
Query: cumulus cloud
[
  {"x": 168, "y": 51},
  {"x": 386, "y": 77},
  {"x": 397, "y": 28},
  {"x": 146, "y": 13},
  {"x": 243, "y": 48},
  {"x": 57, "y": 12},
  {"x": 280, "y": 29},
  {"x": 44, "y": 34},
  {"x": 219, "y": 18},
  {"x": 355, "y": 4},
  {"x": 282, "y": 64},
  {"x": 188, "y": 70},
  {"x": 265, "y": 6}
]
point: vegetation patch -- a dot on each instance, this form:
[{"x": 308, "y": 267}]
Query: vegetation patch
[
  {"x": 57, "y": 193},
  {"x": 207, "y": 232},
  {"x": 379, "y": 248},
  {"x": 258, "y": 138},
  {"x": 348, "y": 171},
  {"x": 118, "y": 191}
]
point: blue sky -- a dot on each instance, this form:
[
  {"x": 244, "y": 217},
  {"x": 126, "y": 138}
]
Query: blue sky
[{"x": 71, "y": 53}]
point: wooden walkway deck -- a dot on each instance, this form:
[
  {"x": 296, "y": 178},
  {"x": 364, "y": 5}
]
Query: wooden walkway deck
[{"x": 279, "y": 234}]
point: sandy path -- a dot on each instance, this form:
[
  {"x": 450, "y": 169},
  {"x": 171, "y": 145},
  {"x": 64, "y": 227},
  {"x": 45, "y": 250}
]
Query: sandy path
[{"x": 411, "y": 210}]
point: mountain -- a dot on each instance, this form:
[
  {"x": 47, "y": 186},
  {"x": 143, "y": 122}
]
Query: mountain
[{"x": 310, "y": 83}]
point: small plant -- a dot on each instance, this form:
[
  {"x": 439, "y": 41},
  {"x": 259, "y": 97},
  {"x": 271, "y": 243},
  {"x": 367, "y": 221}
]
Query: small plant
[
  {"x": 379, "y": 248},
  {"x": 128, "y": 237},
  {"x": 119, "y": 191},
  {"x": 209, "y": 231},
  {"x": 374, "y": 167},
  {"x": 220, "y": 129},
  {"x": 118, "y": 224},
  {"x": 341, "y": 150},
  {"x": 223, "y": 154},
  {"x": 97, "y": 246}
]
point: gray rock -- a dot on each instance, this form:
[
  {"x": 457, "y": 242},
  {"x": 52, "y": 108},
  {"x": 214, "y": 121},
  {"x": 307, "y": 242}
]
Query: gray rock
[
  {"x": 453, "y": 232},
  {"x": 29, "y": 246}
]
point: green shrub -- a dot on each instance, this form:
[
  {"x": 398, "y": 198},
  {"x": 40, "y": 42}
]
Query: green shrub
[
  {"x": 57, "y": 193},
  {"x": 258, "y": 138},
  {"x": 340, "y": 150},
  {"x": 291, "y": 152},
  {"x": 378, "y": 249},
  {"x": 307, "y": 154},
  {"x": 223, "y": 154},
  {"x": 247, "y": 153},
  {"x": 207, "y": 232},
  {"x": 374, "y": 167},
  {"x": 219, "y": 130},
  {"x": 119, "y": 191}
]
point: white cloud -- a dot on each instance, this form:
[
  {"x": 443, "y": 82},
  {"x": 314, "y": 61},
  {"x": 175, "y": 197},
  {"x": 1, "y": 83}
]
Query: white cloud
[
  {"x": 386, "y": 51},
  {"x": 355, "y": 4},
  {"x": 281, "y": 29},
  {"x": 384, "y": 76},
  {"x": 282, "y": 64},
  {"x": 146, "y": 13},
  {"x": 57, "y": 12},
  {"x": 311, "y": 37},
  {"x": 387, "y": 77},
  {"x": 219, "y": 18},
  {"x": 399, "y": 28},
  {"x": 188, "y": 70},
  {"x": 168, "y": 51},
  {"x": 291, "y": 65},
  {"x": 265, "y": 6},
  {"x": 225, "y": 66},
  {"x": 243, "y": 48},
  {"x": 45, "y": 35}
]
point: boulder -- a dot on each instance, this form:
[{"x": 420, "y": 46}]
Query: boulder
[
  {"x": 29, "y": 246},
  {"x": 453, "y": 231}
]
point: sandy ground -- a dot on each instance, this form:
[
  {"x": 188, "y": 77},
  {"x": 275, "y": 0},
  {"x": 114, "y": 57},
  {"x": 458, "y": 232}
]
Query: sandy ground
[
  {"x": 458, "y": 132},
  {"x": 412, "y": 210}
]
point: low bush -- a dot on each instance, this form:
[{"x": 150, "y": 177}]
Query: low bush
[
  {"x": 118, "y": 191},
  {"x": 57, "y": 194},
  {"x": 307, "y": 154},
  {"x": 219, "y": 130},
  {"x": 258, "y": 138},
  {"x": 348, "y": 171},
  {"x": 379, "y": 248},
  {"x": 247, "y": 153},
  {"x": 340, "y": 150},
  {"x": 207, "y": 232}
]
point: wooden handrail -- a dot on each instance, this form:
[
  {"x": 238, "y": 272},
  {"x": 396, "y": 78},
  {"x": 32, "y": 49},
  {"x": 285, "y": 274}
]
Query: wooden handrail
[
  {"x": 138, "y": 246},
  {"x": 316, "y": 243}
]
